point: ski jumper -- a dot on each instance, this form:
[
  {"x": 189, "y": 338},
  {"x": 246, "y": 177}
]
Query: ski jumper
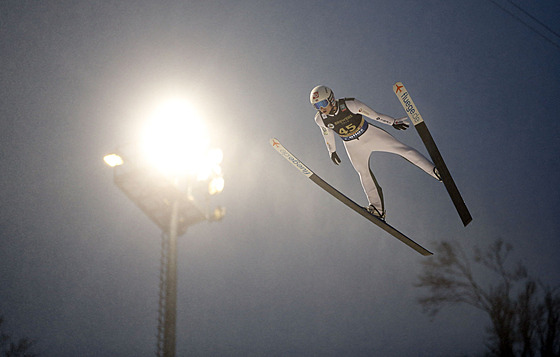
[{"x": 361, "y": 138}]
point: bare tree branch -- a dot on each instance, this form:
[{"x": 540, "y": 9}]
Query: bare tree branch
[{"x": 524, "y": 316}]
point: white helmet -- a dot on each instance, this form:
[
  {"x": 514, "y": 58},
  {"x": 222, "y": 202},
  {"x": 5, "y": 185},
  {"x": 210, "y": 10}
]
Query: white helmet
[{"x": 321, "y": 96}]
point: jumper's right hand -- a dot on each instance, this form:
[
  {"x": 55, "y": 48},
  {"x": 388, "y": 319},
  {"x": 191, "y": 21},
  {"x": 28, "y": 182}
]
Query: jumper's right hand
[{"x": 335, "y": 158}]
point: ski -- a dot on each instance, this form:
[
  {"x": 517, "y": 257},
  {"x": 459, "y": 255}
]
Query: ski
[
  {"x": 429, "y": 143},
  {"x": 342, "y": 198}
]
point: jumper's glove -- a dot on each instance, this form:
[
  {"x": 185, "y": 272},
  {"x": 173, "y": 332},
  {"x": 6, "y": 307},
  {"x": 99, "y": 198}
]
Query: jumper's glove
[
  {"x": 335, "y": 158},
  {"x": 401, "y": 124}
]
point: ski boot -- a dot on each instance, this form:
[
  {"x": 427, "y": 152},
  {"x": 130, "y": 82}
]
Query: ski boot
[
  {"x": 436, "y": 172},
  {"x": 374, "y": 211}
]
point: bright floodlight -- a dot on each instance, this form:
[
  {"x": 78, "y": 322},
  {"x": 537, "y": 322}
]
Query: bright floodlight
[
  {"x": 113, "y": 160},
  {"x": 175, "y": 138},
  {"x": 210, "y": 165},
  {"x": 219, "y": 214},
  {"x": 216, "y": 185}
]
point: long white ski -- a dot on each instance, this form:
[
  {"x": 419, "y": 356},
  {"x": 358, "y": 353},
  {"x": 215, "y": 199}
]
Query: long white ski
[
  {"x": 342, "y": 198},
  {"x": 422, "y": 129}
]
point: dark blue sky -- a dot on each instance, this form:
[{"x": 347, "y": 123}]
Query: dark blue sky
[{"x": 289, "y": 271}]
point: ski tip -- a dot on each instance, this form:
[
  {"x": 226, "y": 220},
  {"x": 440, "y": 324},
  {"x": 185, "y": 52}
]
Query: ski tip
[
  {"x": 398, "y": 87},
  {"x": 274, "y": 142}
]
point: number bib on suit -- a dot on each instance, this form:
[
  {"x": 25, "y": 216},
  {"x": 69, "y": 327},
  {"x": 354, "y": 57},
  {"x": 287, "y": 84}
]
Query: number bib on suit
[{"x": 346, "y": 124}]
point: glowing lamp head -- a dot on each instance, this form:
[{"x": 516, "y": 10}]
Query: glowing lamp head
[
  {"x": 216, "y": 185},
  {"x": 175, "y": 137},
  {"x": 113, "y": 160}
]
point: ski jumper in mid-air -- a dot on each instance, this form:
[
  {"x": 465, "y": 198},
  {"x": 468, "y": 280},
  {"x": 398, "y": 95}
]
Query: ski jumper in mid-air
[{"x": 345, "y": 117}]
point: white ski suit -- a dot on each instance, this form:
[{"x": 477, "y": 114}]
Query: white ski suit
[{"x": 361, "y": 138}]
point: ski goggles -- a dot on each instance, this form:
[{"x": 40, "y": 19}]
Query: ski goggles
[{"x": 322, "y": 104}]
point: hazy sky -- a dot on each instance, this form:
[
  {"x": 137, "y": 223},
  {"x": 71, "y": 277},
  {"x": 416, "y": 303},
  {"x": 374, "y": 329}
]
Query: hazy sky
[{"x": 290, "y": 270}]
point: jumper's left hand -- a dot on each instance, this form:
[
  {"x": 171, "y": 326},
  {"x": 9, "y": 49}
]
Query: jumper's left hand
[
  {"x": 401, "y": 123},
  {"x": 335, "y": 158}
]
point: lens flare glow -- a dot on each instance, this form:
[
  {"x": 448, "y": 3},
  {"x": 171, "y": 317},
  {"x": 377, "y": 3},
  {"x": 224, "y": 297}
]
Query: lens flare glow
[{"x": 175, "y": 137}]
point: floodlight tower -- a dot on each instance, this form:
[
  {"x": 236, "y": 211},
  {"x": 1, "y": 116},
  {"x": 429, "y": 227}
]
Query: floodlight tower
[{"x": 173, "y": 210}]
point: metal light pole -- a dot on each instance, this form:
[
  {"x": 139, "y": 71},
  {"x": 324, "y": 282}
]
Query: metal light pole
[
  {"x": 171, "y": 287},
  {"x": 173, "y": 211}
]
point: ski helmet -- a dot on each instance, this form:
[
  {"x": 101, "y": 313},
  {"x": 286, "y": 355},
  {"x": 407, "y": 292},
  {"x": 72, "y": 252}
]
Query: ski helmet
[{"x": 321, "y": 96}]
